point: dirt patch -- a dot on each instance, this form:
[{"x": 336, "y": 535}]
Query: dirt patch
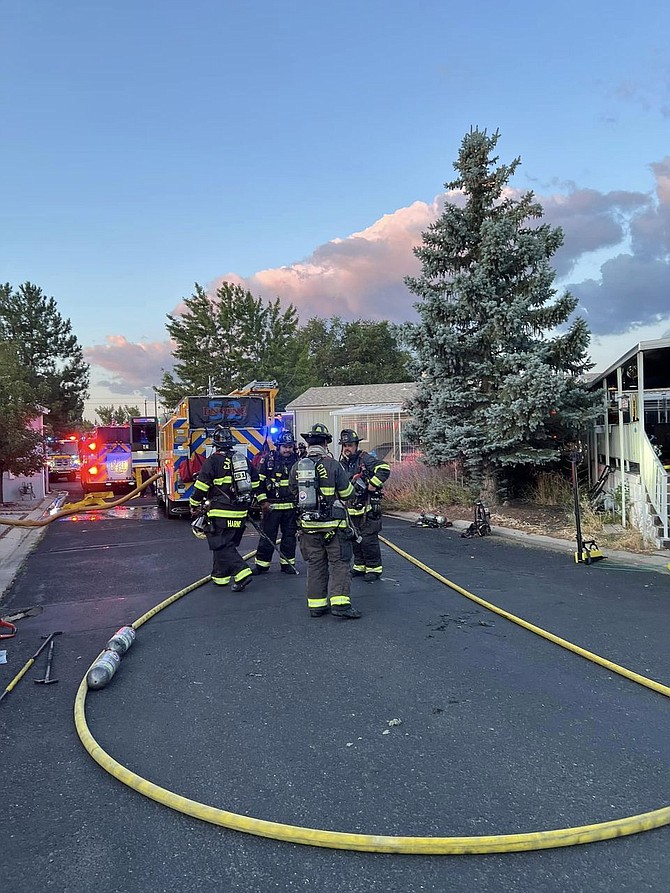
[{"x": 544, "y": 520}]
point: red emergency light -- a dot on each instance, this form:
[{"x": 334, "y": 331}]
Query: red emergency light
[
  {"x": 93, "y": 446},
  {"x": 93, "y": 470}
]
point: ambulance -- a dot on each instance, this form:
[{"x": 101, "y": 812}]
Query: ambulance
[{"x": 184, "y": 440}]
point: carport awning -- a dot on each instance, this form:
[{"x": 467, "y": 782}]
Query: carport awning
[{"x": 370, "y": 409}]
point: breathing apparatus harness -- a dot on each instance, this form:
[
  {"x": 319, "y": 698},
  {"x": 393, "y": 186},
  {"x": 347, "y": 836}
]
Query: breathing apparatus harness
[
  {"x": 362, "y": 496},
  {"x": 313, "y": 505},
  {"x": 275, "y": 461}
]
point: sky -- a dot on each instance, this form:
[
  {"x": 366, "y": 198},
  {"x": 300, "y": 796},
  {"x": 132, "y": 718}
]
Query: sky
[{"x": 301, "y": 148}]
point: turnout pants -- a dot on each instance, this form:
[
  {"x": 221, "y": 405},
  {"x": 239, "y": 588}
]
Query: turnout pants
[
  {"x": 367, "y": 554},
  {"x": 271, "y": 523},
  {"x": 227, "y": 562},
  {"x": 327, "y": 558}
]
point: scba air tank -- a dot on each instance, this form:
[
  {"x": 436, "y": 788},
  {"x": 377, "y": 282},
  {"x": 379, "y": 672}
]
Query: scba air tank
[
  {"x": 241, "y": 477},
  {"x": 305, "y": 472},
  {"x": 122, "y": 640},
  {"x": 103, "y": 669}
]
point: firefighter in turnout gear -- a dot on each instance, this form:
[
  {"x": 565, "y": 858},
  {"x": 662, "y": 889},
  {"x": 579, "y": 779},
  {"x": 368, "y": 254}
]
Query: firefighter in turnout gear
[
  {"x": 228, "y": 483},
  {"x": 367, "y": 476},
  {"x": 278, "y": 508},
  {"x": 320, "y": 485}
]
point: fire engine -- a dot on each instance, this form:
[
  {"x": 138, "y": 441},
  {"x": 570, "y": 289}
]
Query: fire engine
[
  {"x": 63, "y": 458},
  {"x": 106, "y": 459},
  {"x": 144, "y": 447},
  {"x": 185, "y": 437}
]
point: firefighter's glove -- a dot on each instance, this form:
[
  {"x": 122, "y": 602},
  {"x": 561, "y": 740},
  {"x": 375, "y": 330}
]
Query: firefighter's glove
[
  {"x": 196, "y": 511},
  {"x": 265, "y": 508}
]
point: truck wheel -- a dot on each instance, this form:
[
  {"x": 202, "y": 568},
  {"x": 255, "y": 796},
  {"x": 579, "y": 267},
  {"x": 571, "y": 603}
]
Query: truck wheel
[{"x": 171, "y": 510}]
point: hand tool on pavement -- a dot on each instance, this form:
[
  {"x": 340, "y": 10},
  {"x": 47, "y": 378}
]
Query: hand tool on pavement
[
  {"x": 24, "y": 612},
  {"x": 47, "y": 676},
  {"x": 5, "y": 624},
  {"x": 28, "y": 665}
]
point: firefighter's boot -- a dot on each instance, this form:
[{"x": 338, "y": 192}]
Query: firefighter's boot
[
  {"x": 346, "y": 612},
  {"x": 245, "y": 579}
]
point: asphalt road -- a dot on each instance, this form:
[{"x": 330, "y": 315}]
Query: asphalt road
[{"x": 244, "y": 702}]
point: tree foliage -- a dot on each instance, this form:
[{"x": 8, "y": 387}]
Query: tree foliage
[
  {"x": 235, "y": 337},
  {"x": 113, "y": 415},
  {"x": 21, "y": 449},
  {"x": 362, "y": 351},
  {"x": 498, "y": 386},
  {"x": 228, "y": 339},
  {"x": 49, "y": 353}
]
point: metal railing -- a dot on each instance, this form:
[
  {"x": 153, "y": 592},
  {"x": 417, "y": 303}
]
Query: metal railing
[{"x": 637, "y": 450}]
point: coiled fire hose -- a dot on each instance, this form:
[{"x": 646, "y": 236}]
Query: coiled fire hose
[{"x": 500, "y": 843}]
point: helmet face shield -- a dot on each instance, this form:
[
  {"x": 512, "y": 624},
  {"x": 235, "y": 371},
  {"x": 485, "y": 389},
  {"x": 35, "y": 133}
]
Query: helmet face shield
[{"x": 199, "y": 526}]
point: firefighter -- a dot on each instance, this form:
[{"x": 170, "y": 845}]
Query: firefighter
[
  {"x": 319, "y": 484},
  {"x": 228, "y": 482},
  {"x": 367, "y": 475},
  {"x": 278, "y": 508}
]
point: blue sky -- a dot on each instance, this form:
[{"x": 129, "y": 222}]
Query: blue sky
[{"x": 302, "y": 147}]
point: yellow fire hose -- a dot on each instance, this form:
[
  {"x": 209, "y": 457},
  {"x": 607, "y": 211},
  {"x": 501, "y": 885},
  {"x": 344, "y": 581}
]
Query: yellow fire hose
[
  {"x": 78, "y": 508},
  {"x": 499, "y": 843}
]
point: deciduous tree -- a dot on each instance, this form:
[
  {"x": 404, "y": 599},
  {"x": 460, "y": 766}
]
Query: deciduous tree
[
  {"x": 113, "y": 415},
  {"x": 362, "y": 351}
]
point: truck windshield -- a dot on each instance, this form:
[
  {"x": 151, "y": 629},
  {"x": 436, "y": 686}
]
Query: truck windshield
[
  {"x": 63, "y": 448},
  {"x": 113, "y": 434}
]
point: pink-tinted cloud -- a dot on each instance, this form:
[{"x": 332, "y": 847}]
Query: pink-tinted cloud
[
  {"x": 362, "y": 275},
  {"x": 134, "y": 367},
  {"x": 359, "y": 276}
]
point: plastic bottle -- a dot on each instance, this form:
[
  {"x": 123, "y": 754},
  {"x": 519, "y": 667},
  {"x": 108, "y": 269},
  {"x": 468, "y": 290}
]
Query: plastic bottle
[
  {"x": 122, "y": 640},
  {"x": 103, "y": 669}
]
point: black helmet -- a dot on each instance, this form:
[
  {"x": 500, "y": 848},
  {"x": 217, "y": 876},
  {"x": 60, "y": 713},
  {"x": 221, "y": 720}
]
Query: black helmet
[
  {"x": 348, "y": 435},
  {"x": 285, "y": 438},
  {"x": 222, "y": 438},
  {"x": 316, "y": 434}
]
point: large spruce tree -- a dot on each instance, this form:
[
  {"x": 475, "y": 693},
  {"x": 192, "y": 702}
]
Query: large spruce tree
[
  {"x": 50, "y": 354},
  {"x": 497, "y": 361}
]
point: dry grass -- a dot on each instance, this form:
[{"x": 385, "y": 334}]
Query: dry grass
[
  {"x": 417, "y": 487},
  {"x": 551, "y": 488}
]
